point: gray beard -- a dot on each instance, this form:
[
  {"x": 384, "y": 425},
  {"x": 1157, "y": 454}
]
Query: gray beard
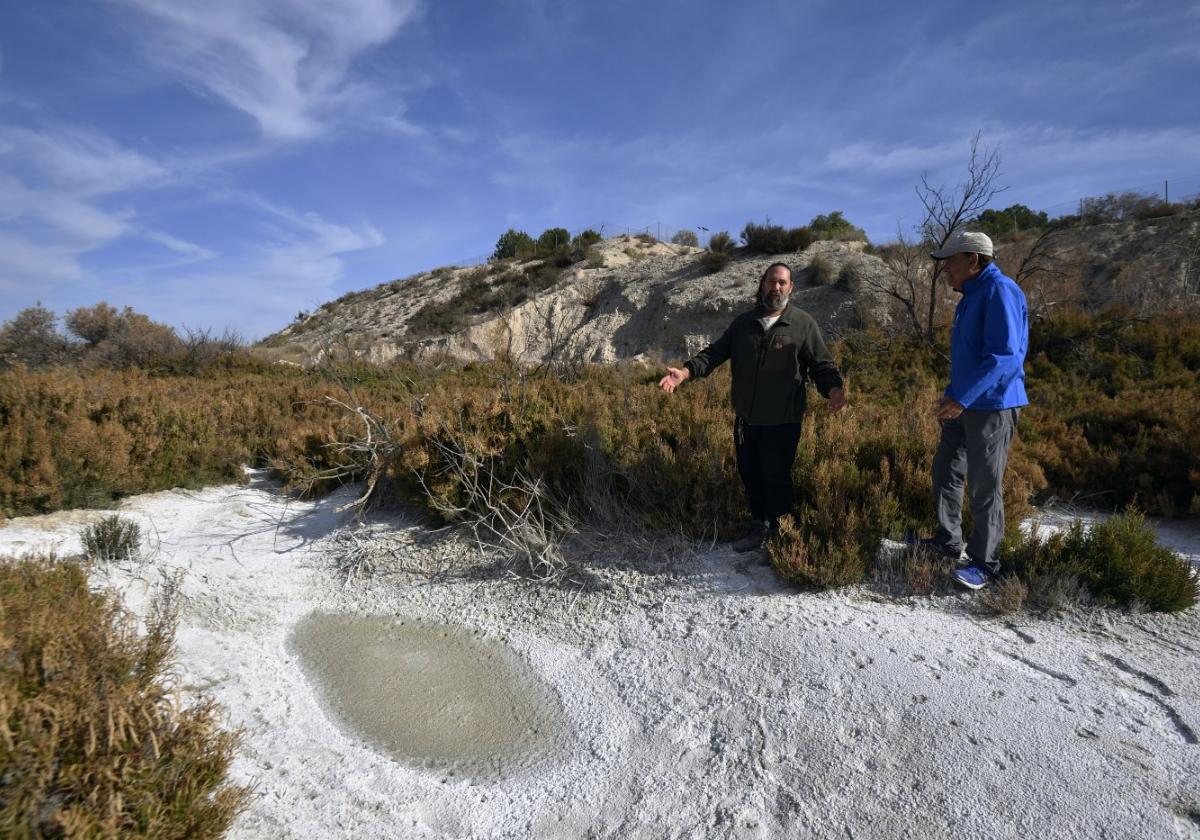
[{"x": 774, "y": 301}]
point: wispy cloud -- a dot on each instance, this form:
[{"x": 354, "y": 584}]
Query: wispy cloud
[
  {"x": 282, "y": 62},
  {"x": 69, "y": 200},
  {"x": 263, "y": 286},
  {"x": 885, "y": 158},
  {"x": 84, "y": 162},
  {"x": 181, "y": 246},
  {"x": 54, "y": 210},
  {"x": 45, "y": 264},
  {"x": 1034, "y": 148}
]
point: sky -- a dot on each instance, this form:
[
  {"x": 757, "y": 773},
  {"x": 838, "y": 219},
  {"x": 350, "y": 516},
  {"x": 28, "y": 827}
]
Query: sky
[{"x": 228, "y": 164}]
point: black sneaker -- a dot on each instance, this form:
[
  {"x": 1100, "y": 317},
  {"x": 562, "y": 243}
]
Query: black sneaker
[{"x": 754, "y": 538}]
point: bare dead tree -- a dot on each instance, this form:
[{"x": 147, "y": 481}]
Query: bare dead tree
[
  {"x": 904, "y": 281},
  {"x": 1043, "y": 268},
  {"x": 948, "y": 210},
  {"x": 1042, "y": 258},
  {"x": 552, "y": 323},
  {"x": 911, "y": 280}
]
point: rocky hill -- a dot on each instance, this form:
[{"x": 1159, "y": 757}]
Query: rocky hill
[
  {"x": 633, "y": 298},
  {"x": 637, "y": 298}
]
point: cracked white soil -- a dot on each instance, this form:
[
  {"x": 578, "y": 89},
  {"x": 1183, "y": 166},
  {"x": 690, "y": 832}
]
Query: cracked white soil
[{"x": 702, "y": 697}]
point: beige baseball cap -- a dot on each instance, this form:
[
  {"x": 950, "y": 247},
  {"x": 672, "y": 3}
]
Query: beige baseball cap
[{"x": 964, "y": 242}]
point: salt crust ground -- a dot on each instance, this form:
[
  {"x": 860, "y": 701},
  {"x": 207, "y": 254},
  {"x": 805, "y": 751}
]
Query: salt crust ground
[{"x": 706, "y": 699}]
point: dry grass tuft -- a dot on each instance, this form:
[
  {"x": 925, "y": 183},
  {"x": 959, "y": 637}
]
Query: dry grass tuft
[
  {"x": 1004, "y": 596},
  {"x": 92, "y": 743},
  {"x": 926, "y": 573}
]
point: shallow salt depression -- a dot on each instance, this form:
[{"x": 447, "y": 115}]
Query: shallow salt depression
[{"x": 431, "y": 696}]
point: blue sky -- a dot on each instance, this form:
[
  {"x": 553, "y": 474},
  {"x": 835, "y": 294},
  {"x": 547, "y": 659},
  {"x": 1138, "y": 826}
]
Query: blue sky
[{"x": 231, "y": 162}]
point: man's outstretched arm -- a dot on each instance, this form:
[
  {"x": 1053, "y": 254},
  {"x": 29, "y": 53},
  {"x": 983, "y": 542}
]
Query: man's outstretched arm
[
  {"x": 674, "y": 378},
  {"x": 702, "y": 364}
]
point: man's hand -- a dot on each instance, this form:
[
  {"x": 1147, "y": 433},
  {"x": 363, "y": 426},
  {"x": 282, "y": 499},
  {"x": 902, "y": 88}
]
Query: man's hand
[
  {"x": 837, "y": 400},
  {"x": 947, "y": 409},
  {"x": 673, "y": 379}
]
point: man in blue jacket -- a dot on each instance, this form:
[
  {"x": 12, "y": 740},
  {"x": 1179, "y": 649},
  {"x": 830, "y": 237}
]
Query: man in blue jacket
[{"x": 979, "y": 409}]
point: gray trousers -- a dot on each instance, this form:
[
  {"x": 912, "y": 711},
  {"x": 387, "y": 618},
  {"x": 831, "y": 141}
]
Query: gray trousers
[{"x": 974, "y": 446}]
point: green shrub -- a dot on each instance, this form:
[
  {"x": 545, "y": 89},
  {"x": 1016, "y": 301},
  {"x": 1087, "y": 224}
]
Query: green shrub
[
  {"x": 775, "y": 239},
  {"x": 717, "y": 257},
  {"x": 685, "y": 237},
  {"x": 595, "y": 259},
  {"x": 819, "y": 271},
  {"x": 562, "y": 256},
  {"x": 586, "y": 239},
  {"x": 1118, "y": 561},
  {"x": 94, "y": 742},
  {"x": 112, "y": 539},
  {"x": 552, "y": 239},
  {"x": 1003, "y": 224},
  {"x": 438, "y": 318},
  {"x": 582, "y": 244},
  {"x": 513, "y": 243},
  {"x": 836, "y": 226}
]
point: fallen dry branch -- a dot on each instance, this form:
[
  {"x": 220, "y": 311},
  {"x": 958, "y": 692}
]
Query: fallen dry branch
[{"x": 517, "y": 515}]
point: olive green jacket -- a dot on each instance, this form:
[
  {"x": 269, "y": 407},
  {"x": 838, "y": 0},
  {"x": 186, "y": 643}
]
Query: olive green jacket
[{"x": 772, "y": 368}]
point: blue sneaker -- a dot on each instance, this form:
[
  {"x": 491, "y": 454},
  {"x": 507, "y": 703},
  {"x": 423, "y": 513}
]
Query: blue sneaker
[{"x": 973, "y": 577}]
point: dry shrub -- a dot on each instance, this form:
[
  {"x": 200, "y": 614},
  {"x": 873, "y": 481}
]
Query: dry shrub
[
  {"x": 93, "y": 744},
  {"x": 1055, "y": 593},
  {"x": 112, "y": 540},
  {"x": 70, "y": 440},
  {"x": 926, "y": 572},
  {"x": 850, "y": 277},
  {"x": 812, "y": 563},
  {"x": 685, "y": 237},
  {"x": 1004, "y": 596},
  {"x": 74, "y": 439},
  {"x": 714, "y": 261},
  {"x": 1098, "y": 425},
  {"x": 819, "y": 271}
]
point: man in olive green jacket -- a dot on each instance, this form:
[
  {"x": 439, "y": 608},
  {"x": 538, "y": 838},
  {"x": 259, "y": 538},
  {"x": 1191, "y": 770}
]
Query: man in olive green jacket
[{"x": 774, "y": 349}]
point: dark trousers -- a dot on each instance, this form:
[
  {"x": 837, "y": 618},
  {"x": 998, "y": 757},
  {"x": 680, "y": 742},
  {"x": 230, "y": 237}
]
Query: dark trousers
[
  {"x": 764, "y": 459},
  {"x": 974, "y": 446}
]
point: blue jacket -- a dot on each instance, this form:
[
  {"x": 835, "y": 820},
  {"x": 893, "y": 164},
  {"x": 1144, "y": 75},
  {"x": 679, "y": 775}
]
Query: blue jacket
[{"x": 989, "y": 343}]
